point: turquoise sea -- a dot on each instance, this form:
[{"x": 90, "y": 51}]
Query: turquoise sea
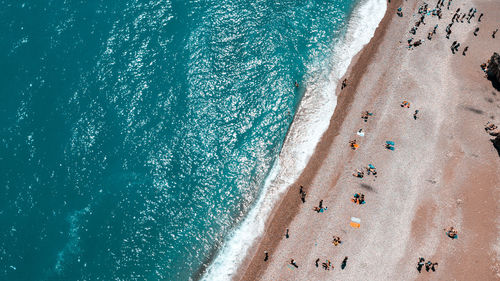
[{"x": 137, "y": 135}]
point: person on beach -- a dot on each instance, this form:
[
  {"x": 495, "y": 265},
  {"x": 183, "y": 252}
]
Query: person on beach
[
  {"x": 317, "y": 262},
  {"x": 371, "y": 170},
  {"x": 415, "y": 114},
  {"x": 476, "y": 31},
  {"x": 420, "y": 264},
  {"x": 344, "y": 263},
  {"x": 320, "y": 210},
  {"x": 448, "y": 30},
  {"x": 365, "y": 115},
  {"x": 286, "y": 234},
  {"x": 405, "y": 104},
  {"x": 266, "y": 257},
  {"x": 336, "y": 240},
  {"x": 344, "y": 84},
  {"x": 353, "y": 145},
  {"x": 325, "y": 266},
  {"x": 490, "y": 127},
  {"x": 358, "y": 174},
  {"x": 494, "y": 33},
  {"x": 452, "y": 233},
  {"x": 301, "y": 189},
  {"x": 292, "y": 262},
  {"x": 453, "y": 46},
  {"x": 355, "y": 199},
  {"x": 409, "y": 42},
  {"x": 479, "y": 18},
  {"x": 389, "y": 145},
  {"x": 399, "y": 12},
  {"x": 434, "y": 266},
  {"x": 465, "y": 50},
  {"x": 303, "y": 197},
  {"x": 428, "y": 266},
  {"x": 320, "y": 204},
  {"x": 358, "y": 198}
]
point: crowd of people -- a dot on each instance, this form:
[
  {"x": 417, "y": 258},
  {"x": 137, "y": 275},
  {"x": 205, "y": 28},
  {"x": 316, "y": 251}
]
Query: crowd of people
[{"x": 458, "y": 17}]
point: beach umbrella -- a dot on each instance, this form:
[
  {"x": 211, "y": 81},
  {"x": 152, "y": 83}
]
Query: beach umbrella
[{"x": 371, "y": 166}]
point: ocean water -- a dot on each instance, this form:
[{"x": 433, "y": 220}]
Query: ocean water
[{"x": 147, "y": 140}]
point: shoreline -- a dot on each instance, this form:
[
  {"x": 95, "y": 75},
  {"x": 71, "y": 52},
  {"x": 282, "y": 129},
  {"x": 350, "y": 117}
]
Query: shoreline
[
  {"x": 290, "y": 200},
  {"x": 302, "y": 138}
]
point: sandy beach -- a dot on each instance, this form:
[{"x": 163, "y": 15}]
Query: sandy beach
[{"x": 443, "y": 172}]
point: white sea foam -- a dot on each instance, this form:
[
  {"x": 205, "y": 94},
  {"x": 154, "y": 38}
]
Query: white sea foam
[{"x": 310, "y": 123}]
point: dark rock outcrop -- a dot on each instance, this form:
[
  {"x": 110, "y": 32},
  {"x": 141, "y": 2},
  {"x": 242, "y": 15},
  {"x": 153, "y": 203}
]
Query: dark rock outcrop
[
  {"x": 496, "y": 144},
  {"x": 494, "y": 70}
]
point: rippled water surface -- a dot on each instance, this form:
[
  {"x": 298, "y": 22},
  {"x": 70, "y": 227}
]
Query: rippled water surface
[{"x": 136, "y": 135}]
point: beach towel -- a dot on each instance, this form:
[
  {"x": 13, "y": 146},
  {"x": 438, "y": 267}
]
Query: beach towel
[
  {"x": 371, "y": 166},
  {"x": 361, "y": 134},
  {"x": 355, "y": 222},
  {"x": 389, "y": 142}
]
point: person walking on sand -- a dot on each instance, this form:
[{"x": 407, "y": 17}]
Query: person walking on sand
[
  {"x": 292, "y": 262},
  {"x": 344, "y": 263},
  {"x": 415, "y": 114},
  {"x": 479, "y": 18},
  {"x": 344, "y": 84},
  {"x": 303, "y": 197},
  {"x": 286, "y": 234},
  {"x": 317, "y": 262},
  {"x": 320, "y": 204},
  {"x": 465, "y": 50},
  {"x": 476, "y": 31},
  {"x": 494, "y": 33},
  {"x": 420, "y": 264},
  {"x": 266, "y": 257},
  {"x": 301, "y": 189},
  {"x": 428, "y": 265},
  {"x": 434, "y": 265}
]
